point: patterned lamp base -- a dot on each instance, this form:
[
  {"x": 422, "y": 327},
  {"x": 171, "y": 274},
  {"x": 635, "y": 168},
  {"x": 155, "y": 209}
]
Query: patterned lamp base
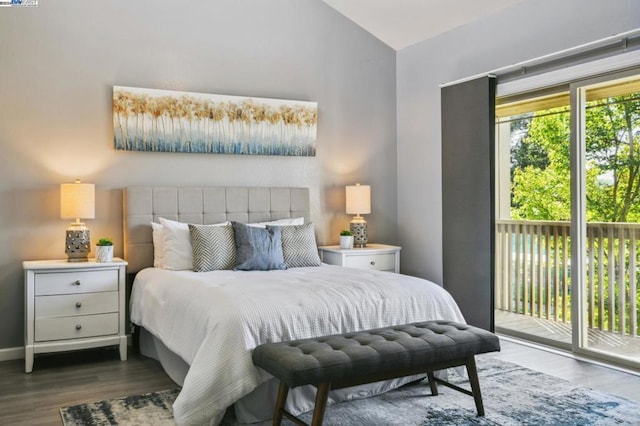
[
  {"x": 78, "y": 245},
  {"x": 359, "y": 231}
]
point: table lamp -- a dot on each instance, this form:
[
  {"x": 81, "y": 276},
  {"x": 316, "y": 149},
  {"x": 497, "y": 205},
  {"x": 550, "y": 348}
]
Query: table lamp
[
  {"x": 358, "y": 202},
  {"x": 77, "y": 201}
]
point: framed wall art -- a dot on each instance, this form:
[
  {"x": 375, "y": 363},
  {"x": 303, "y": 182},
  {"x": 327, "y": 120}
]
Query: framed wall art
[{"x": 172, "y": 121}]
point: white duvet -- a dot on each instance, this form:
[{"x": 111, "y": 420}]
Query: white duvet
[{"x": 213, "y": 320}]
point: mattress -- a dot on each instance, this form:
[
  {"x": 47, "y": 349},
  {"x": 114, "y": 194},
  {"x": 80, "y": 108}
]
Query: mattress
[{"x": 213, "y": 320}]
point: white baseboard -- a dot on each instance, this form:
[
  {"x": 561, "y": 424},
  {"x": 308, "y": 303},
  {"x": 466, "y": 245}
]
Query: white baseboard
[{"x": 9, "y": 354}]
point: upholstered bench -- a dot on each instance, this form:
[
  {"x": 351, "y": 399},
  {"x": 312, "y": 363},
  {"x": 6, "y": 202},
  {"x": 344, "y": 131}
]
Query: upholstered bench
[{"x": 343, "y": 360}]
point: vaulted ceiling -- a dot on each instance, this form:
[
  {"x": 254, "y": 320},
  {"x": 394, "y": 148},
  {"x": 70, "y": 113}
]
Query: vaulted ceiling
[{"x": 401, "y": 23}]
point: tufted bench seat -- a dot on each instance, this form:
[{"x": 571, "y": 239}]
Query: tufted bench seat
[{"x": 343, "y": 360}]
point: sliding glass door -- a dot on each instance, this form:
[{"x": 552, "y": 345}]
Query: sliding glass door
[
  {"x": 533, "y": 227},
  {"x": 568, "y": 217},
  {"x": 608, "y": 142}
]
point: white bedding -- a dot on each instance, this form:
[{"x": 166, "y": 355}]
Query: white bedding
[{"x": 213, "y": 320}]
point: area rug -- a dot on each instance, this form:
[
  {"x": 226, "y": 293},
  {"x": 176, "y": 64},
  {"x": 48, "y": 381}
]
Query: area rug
[
  {"x": 513, "y": 395},
  {"x": 147, "y": 409}
]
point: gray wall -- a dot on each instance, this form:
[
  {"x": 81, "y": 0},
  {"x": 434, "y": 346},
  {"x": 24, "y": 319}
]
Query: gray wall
[
  {"x": 61, "y": 59},
  {"x": 524, "y": 31}
]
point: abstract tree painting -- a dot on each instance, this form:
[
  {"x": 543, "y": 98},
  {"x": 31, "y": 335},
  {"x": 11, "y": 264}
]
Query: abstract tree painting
[{"x": 170, "y": 121}]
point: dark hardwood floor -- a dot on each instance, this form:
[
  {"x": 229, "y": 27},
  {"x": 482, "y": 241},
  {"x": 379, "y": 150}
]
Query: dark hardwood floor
[
  {"x": 72, "y": 378},
  {"x": 86, "y": 376}
]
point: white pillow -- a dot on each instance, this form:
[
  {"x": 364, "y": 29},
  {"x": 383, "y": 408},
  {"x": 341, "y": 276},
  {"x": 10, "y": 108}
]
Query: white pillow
[
  {"x": 176, "y": 241},
  {"x": 279, "y": 222},
  {"x": 158, "y": 247}
]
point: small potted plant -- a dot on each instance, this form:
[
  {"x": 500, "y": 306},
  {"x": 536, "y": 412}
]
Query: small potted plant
[
  {"x": 346, "y": 239},
  {"x": 104, "y": 250}
]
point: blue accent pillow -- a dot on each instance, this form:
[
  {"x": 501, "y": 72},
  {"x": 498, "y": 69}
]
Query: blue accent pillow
[{"x": 257, "y": 249}]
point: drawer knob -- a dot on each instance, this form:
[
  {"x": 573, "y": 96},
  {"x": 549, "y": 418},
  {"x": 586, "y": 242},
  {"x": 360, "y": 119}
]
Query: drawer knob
[
  {"x": 78, "y": 327},
  {"x": 77, "y": 282},
  {"x": 78, "y": 304},
  {"x": 373, "y": 263}
]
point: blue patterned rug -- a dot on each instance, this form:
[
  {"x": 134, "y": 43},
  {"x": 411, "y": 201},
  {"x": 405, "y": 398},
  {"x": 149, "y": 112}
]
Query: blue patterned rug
[{"x": 512, "y": 395}]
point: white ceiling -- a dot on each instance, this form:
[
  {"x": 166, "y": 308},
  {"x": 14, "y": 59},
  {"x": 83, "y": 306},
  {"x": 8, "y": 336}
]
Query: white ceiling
[{"x": 401, "y": 23}]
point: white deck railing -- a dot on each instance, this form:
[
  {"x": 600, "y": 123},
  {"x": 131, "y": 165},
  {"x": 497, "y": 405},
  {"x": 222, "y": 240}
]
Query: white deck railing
[{"x": 533, "y": 272}]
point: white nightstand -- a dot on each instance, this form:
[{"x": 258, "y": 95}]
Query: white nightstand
[
  {"x": 374, "y": 256},
  {"x": 72, "y": 306}
]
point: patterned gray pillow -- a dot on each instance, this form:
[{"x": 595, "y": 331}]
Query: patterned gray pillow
[
  {"x": 214, "y": 247},
  {"x": 299, "y": 246}
]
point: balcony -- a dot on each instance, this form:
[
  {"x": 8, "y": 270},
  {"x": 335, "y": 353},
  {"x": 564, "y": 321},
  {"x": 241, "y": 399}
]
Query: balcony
[{"x": 533, "y": 284}]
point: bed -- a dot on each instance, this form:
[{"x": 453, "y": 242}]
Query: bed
[{"x": 203, "y": 326}]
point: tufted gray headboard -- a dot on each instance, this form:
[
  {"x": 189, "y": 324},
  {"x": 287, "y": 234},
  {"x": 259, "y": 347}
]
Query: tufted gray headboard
[{"x": 201, "y": 205}]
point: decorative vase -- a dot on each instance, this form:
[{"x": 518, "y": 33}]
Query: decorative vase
[
  {"x": 104, "y": 253},
  {"x": 346, "y": 241}
]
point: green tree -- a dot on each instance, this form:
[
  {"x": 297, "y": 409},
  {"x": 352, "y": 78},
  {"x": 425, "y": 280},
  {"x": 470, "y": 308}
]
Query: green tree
[
  {"x": 540, "y": 163},
  {"x": 540, "y": 168},
  {"x": 613, "y": 153}
]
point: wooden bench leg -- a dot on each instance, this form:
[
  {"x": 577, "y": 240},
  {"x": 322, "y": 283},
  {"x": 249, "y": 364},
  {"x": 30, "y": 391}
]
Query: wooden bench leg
[
  {"x": 475, "y": 384},
  {"x": 432, "y": 383},
  {"x": 283, "y": 391},
  {"x": 321, "y": 403}
]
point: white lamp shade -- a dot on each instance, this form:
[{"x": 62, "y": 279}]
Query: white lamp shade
[
  {"x": 77, "y": 201},
  {"x": 358, "y": 199}
]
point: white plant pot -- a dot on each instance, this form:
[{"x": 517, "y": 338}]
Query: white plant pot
[
  {"x": 346, "y": 241},
  {"x": 104, "y": 253}
]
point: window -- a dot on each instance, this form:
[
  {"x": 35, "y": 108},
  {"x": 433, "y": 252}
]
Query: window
[{"x": 570, "y": 180}]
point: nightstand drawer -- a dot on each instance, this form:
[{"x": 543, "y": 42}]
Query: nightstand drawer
[
  {"x": 75, "y": 327},
  {"x": 380, "y": 262},
  {"x": 75, "y": 282},
  {"x": 380, "y": 257},
  {"x": 76, "y": 304}
]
